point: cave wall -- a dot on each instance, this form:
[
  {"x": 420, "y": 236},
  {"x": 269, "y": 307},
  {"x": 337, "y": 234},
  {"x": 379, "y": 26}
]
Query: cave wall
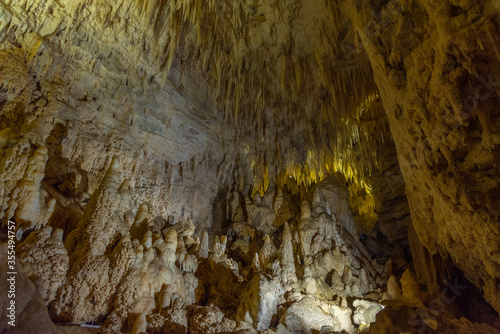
[
  {"x": 67, "y": 122},
  {"x": 436, "y": 66}
]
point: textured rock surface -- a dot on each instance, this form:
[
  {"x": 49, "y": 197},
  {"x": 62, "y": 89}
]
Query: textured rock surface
[
  {"x": 439, "y": 86},
  {"x": 173, "y": 164},
  {"x": 139, "y": 281},
  {"x": 41, "y": 250},
  {"x": 29, "y": 307}
]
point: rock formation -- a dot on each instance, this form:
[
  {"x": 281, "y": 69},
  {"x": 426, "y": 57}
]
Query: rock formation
[{"x": 250, "y": 166}]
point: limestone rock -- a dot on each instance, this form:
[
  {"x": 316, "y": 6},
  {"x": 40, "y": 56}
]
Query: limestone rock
[
  {"x": 365, "y": 311},
  {"x": 210, "y": 320},
  {"x": 41, "y": 250},
  {"x": 172, "y": 145},
  {"x": 261, "y": 301},
  {"x": 29, "y": 304},
  {"x": 310, "y": 313}
]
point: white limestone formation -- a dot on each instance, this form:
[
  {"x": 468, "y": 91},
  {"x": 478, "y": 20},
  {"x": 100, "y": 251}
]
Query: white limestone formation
[
  {"x": 203, "y": 253},
  {"x": 202, "y": 166}
]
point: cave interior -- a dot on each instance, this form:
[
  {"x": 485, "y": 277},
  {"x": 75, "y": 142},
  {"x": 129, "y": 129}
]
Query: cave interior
[{"x": 249, "y": 166}]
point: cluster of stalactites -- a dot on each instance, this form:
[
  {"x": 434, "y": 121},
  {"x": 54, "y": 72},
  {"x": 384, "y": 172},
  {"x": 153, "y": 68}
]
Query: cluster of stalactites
[
  {"x": 353, "y": 152},
  {"x": 296, "y": 98},
  {"x": 307, "y": 112}
]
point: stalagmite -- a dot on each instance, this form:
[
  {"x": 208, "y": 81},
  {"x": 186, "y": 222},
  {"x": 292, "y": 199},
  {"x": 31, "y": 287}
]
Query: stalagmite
[
  {"x": 153, "y": 155},
  {"x": 287, "y": 262},
  {"x": 393, "y": 289},
  {"x": 141, "y": 222},
  {"x": 165, "y": 296},
  {"x": 267, "y": 253},
  {"x": 171, "y": 246},
  {"x": 364, "y": 284},
  {"x": 256, "y": 263},
  {"x": 147, "y": 240},
  {"x": 278, "y": 201},
  {"x": 203, "y": 253},
  {"x": 140, "y": 325}
]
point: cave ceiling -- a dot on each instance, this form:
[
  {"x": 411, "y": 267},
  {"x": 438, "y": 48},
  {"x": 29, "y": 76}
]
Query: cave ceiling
[
  {"x": 288, "y": 83},
  {"x": 198, "y": 113}
]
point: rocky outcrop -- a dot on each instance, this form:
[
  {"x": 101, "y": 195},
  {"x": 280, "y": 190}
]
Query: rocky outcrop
[{"x": 438, "y": 84}]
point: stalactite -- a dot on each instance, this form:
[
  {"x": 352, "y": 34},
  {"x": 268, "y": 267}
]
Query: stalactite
[{"x": 220, "y": 36}]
